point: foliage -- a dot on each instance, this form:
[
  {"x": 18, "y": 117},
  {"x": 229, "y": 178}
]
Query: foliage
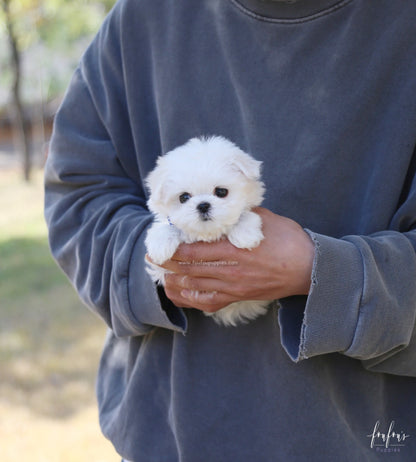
[
  {"x": 56, "y": 23},
  {"x": 49, "y": 33}
]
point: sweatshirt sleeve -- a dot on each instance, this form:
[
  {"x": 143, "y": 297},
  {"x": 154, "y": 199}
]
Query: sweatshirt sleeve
[
  {"x": 95, "y": 205},
  {"x": 362, "y": 301}
]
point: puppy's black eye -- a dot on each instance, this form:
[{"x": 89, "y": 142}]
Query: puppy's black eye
[
  {"x": 221, "y": 192},
  {"x": 184, "y": 197}
]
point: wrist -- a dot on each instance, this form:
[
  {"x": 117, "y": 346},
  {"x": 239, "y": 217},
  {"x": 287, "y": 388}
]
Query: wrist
[{"x": 306, "y": 262}]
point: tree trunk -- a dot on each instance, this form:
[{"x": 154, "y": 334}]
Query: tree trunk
[{"x": 22, "y": 125}]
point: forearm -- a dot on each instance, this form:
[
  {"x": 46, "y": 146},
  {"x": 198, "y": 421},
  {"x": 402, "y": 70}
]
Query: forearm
[
  {"x": 97, "y": 218},
  {"x": 362, "y": 302}
]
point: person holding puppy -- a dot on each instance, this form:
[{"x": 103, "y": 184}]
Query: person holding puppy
[{"x": 323, "y": 93}]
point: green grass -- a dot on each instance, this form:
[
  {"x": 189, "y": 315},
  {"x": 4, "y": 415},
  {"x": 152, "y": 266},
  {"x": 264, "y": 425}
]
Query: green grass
[
  {"x": 18, "y": 259},
  {"x": 49, "y": 342}
]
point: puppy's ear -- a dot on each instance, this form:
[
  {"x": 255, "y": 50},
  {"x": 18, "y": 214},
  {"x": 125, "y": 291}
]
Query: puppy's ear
[
  {"x": 156, "y": 183},
  {"x": 250, "y": 167}
]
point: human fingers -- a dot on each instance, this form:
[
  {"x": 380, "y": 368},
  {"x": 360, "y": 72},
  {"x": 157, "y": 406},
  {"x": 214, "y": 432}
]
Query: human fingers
[
  {"x": 209, "y": 301},
  {"x": 173, "y": 293},
  {"x": 201, "y": 269},
  {"x": 217, "y": 251},
  {"x": 238, "y": 289},
  {"x": 201, "y": 259},
  {"x": 183, "y": 293}
]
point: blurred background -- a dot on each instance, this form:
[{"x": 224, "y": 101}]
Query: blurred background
[{"x": 49, "y": 342}]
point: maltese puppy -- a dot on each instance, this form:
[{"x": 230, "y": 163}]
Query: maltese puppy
[{"x": 204, "y": 191}]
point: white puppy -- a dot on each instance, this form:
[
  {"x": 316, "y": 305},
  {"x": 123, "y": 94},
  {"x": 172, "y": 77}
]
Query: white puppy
[{"x": 203, "y": 191}]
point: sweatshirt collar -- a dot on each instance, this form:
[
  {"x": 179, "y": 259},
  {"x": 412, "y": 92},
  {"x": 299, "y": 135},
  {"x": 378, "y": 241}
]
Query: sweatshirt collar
[{"x": 290, "y": 9}]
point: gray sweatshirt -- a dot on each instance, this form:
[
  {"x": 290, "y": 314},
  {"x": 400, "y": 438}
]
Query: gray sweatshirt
[{"x": 323, "y": 92}]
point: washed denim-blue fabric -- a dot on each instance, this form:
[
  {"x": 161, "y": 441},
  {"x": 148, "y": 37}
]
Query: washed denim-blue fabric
[{"x": 324, "y": 93}]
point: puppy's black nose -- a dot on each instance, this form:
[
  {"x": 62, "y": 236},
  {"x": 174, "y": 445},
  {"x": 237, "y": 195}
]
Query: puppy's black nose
[{"x": 203, "y": 207}]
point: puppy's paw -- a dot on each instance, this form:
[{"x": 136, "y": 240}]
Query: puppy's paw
[
  {"x": 156, "y": 273},
  {"x": 161, "y": 242},
  {"x": 247, "y": 233}
]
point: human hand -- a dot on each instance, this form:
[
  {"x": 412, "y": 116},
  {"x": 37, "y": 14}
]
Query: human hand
[{"x": 210, "y": 276}]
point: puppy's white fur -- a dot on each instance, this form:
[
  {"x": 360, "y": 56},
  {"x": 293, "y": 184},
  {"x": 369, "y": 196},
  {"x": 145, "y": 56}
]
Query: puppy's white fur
[{"x": 183, "y": 180}]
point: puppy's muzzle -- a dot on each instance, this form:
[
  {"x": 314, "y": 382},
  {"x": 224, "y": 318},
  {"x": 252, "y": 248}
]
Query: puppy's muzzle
[{"x": 203, "y": 209}]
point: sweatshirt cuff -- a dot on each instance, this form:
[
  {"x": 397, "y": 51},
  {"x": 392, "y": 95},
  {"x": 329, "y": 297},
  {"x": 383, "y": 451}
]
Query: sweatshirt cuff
[
  {"x": 326, "y": 320},
  {"x": 148, "y": 303}
]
